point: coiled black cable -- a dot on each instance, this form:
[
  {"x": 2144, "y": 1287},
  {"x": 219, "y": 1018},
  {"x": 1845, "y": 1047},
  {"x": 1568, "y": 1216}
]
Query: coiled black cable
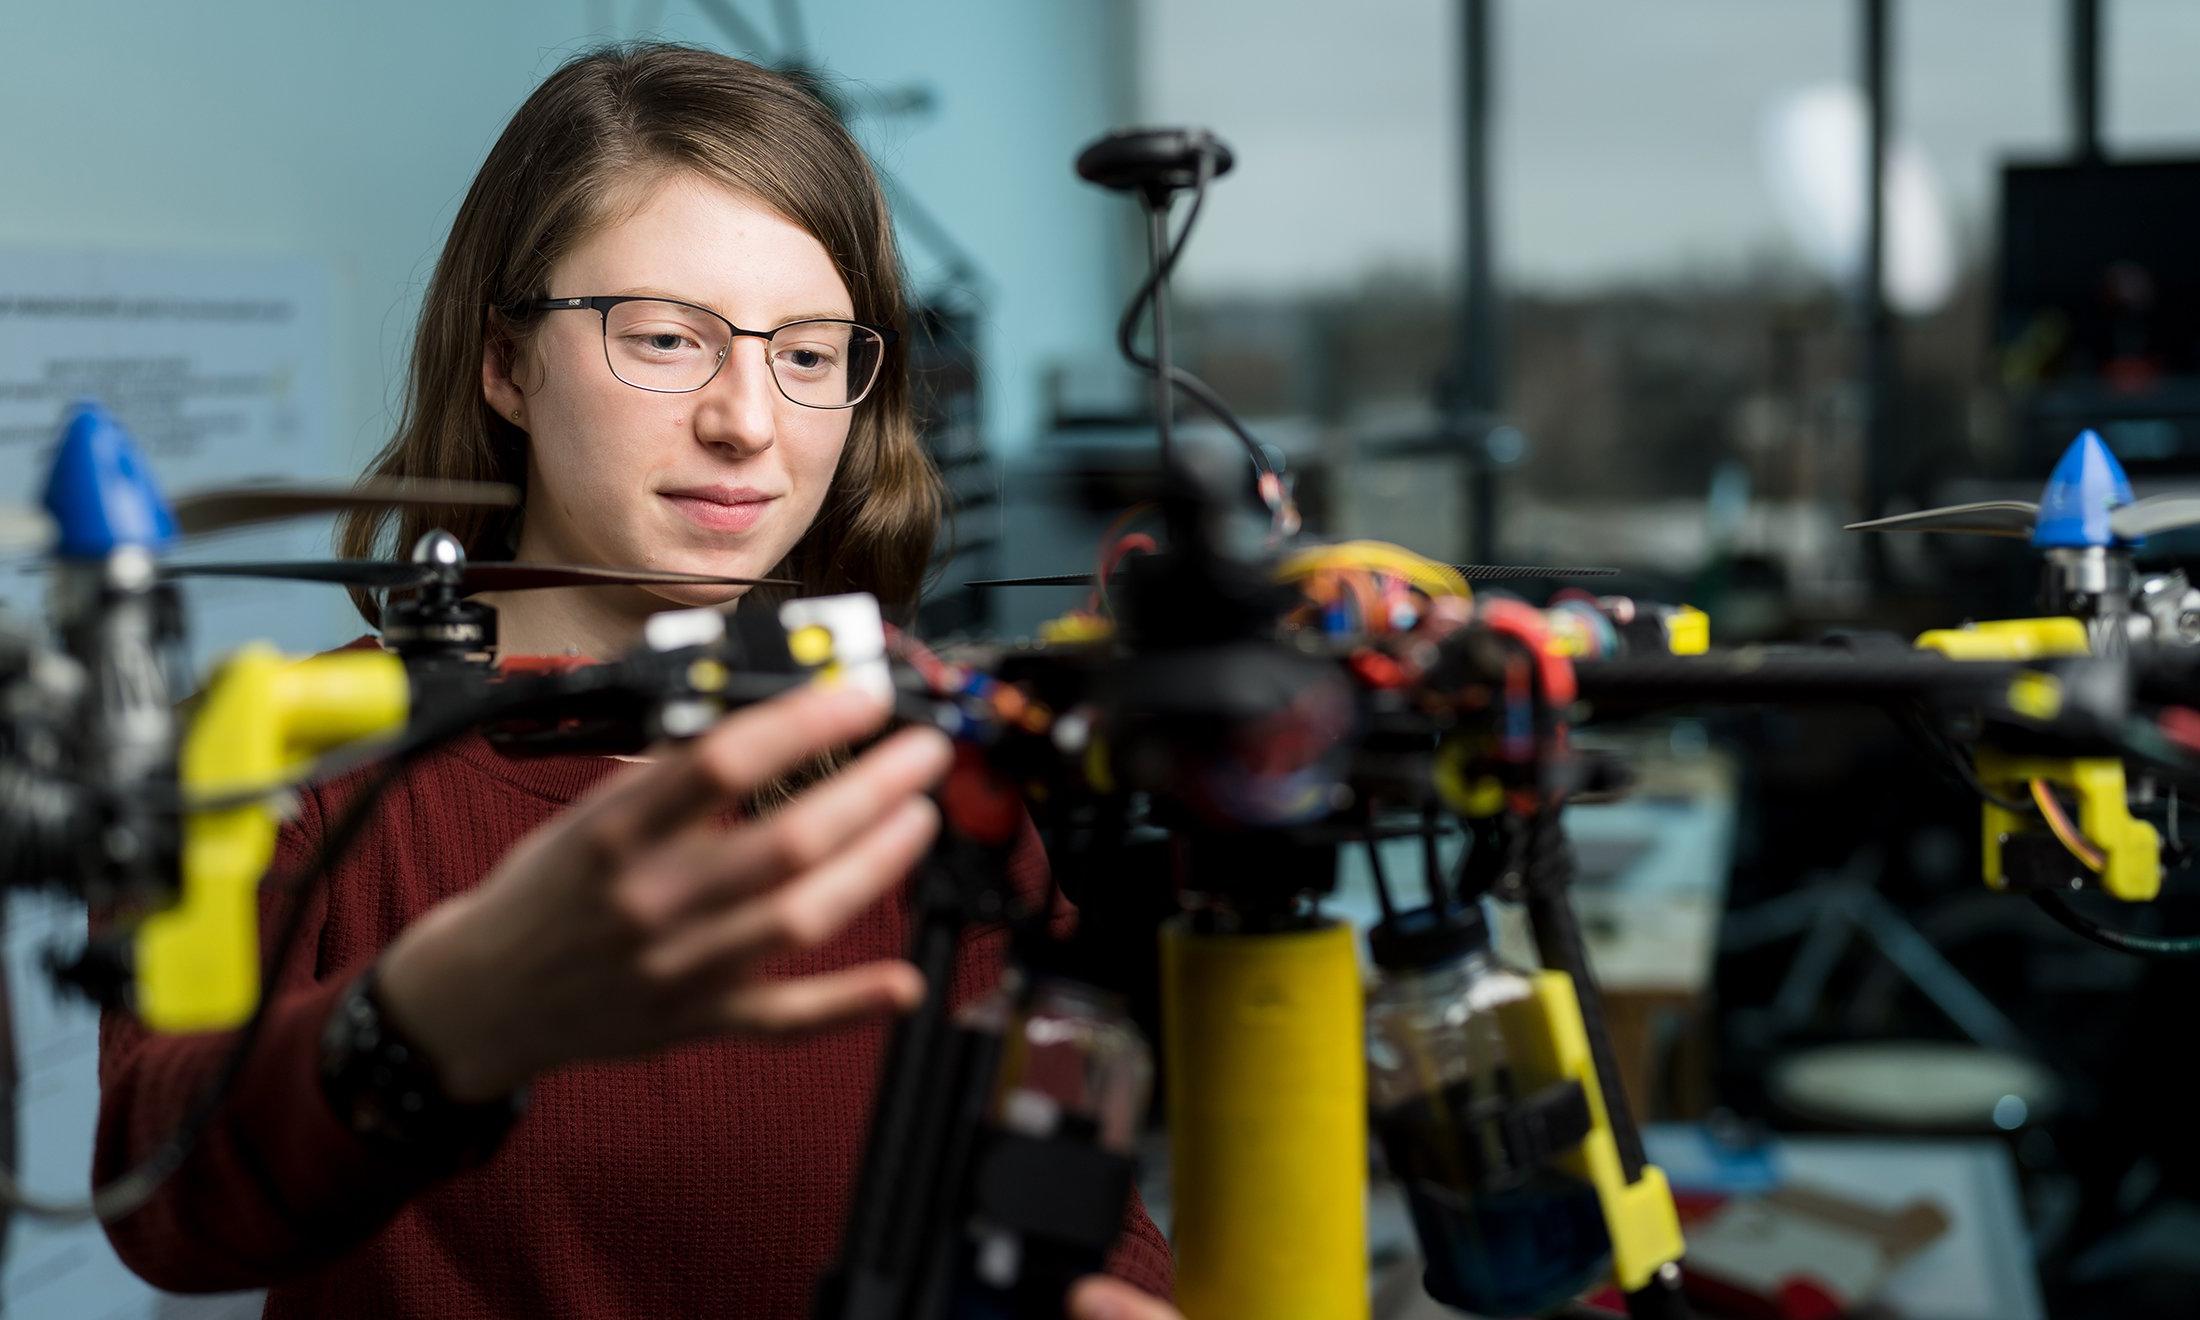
[{"x": 1185, "y": 383}]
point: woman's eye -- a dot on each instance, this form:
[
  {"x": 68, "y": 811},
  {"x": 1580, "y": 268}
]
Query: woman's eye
[
  {"x": 665, "y": 341},
  {"x": 807, "y": 359}
]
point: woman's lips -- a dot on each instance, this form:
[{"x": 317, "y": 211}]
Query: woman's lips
[{"x": 716, "y": 513}]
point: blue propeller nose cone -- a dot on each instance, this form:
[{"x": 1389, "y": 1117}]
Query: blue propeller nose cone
[
  {"x": 100, "y": 490},
  {"x": 2086, "y": 484}
]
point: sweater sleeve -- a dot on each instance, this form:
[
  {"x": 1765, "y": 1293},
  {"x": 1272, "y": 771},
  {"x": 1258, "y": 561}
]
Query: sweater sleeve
[{"x": 275, "y": 1184}]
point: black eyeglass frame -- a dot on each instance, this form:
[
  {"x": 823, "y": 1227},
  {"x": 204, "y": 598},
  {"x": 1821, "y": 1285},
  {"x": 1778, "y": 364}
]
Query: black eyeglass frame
[{"x": 603, "y": 304}]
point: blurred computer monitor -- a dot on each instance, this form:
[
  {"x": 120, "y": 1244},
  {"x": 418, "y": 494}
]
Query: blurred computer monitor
[{"x": 2097, "y": 318}]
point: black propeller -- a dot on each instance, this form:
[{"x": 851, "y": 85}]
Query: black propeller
[
  {"x": 1471, "y": 572},
  {"x": 220, "y": 508},
  {"x": 224, "y": 507},
  {"x": 379, "y": 574},
  {"x": 2130, "y": 522},
  {"x": 1986, "y": 518}
]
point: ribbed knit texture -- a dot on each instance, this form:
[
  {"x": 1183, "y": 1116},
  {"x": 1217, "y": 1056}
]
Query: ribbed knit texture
[{"x": 710, "y": 1180}]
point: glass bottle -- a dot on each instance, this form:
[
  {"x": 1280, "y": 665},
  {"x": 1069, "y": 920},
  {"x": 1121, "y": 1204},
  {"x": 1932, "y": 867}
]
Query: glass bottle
[
  {"x": 1073, "y": 1070},
  {"x": 1501, "y": 1236}
]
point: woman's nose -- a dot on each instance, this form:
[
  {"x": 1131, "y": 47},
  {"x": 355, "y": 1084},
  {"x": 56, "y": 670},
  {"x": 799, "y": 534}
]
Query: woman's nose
[{"x": 739, "y": 408}]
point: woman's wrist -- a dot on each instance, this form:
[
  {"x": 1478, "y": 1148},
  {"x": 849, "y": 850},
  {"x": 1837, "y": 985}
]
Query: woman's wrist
[{"x": 455, "y": 1018}]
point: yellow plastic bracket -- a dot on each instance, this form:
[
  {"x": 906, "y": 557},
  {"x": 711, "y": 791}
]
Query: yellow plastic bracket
[
  {"x": 1547, "y": 1042},
  {"x": 1075, "y": 629},
  {"x": 2132, "y": 851},
  {"x": 262, "y": 716},
  {"x": 2009, "y": 639},
  {"x": 1476, "y": 796},
  {"x": 1688, "y": 631},
  {"x": 2132, "y": 870}
]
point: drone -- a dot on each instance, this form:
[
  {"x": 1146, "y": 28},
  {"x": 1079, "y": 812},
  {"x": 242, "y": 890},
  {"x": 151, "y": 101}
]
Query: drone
[
  {"x": 2088, "y": 526},
  {"x": 1259, "y": 696}
]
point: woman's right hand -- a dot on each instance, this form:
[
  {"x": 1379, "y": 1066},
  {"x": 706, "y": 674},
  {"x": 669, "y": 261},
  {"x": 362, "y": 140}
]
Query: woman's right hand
[{"x": 636, "y": 918}]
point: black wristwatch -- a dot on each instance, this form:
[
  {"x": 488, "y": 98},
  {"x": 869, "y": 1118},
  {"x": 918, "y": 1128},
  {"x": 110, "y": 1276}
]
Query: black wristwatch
[{"x": 386, "y": 1091}]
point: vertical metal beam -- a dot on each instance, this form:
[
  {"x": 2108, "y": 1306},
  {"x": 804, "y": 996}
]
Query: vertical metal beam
[
  {"x": 1476, "y": 369},
  {"x": 2084, "y": 52},
  {"x": 1880, "y": 452}
]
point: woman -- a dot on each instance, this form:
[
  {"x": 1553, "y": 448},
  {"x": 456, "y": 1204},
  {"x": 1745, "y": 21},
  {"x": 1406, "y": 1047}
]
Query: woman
[{"x": 665, "y": 311}]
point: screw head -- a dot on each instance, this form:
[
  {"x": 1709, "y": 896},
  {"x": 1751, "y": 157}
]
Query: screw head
[{"x": 440, "y": 548}]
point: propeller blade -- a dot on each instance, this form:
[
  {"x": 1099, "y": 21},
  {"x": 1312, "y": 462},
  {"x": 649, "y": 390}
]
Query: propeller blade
[
  {"x": 528, "y": 577},
  {"x": 375, "y": 573},
  {"x": 24, "y": 528},
  {"x": 1056, "y": 580},
  {"x": 2155, "y": 513},
  {"x": 1501, "y": 572},
  {"x": 385, "y": 575},
  {"x": 1471, "y": 572},
  {"x": 1986, "y": 518},
  {"x": 238, "y": 506}
]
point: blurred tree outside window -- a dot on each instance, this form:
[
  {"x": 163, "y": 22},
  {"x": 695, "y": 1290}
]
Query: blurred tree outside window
[{"x": 1678, "y": 323}]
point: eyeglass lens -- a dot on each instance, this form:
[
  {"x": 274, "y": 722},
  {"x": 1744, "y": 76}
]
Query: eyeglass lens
[{"x": 674, "y": 348}]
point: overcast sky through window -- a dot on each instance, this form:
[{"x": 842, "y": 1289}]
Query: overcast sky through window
[{"x": 1629, "y": 136}]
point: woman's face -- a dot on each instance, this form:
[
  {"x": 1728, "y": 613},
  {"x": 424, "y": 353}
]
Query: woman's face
[{"x": 723, "y": 480}]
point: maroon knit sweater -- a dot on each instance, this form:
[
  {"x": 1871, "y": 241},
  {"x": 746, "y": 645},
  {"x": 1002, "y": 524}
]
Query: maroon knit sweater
[{"x": 711, "y": 1179}]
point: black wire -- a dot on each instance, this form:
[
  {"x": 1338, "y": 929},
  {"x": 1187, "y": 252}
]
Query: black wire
[
  {"x": 1382, "y": 880},
  {"x": 1950, "y": 760},
  {"x": 1185, "y": 383},
  {"x": 1949, "y": 757},
  {"x": 130, "y": 1190},
  {"x": 2123, "y": 941},
  {"x": 1477, "y": 873},
  {"x": 1432, "y": 867}
]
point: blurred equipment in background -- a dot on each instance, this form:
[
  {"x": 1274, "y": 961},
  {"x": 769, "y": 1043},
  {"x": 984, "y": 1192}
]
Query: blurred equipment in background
[
  {"x": 2098, "y": 315},
  {"x": 947, "y": 305}
]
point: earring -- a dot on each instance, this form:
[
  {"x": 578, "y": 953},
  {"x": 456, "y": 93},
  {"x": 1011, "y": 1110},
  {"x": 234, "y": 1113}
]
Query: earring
[{"x": 515, "y": 414}]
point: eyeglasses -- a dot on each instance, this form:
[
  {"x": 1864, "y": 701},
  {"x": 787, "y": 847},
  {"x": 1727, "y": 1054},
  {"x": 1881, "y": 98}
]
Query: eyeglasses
[{"x": 674, "y": 347}]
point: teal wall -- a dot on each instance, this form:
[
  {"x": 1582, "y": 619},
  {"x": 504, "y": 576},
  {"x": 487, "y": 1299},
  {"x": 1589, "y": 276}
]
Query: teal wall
[
  {"x": 345, "y": 135},
  {"x": 348, "y": 132}
]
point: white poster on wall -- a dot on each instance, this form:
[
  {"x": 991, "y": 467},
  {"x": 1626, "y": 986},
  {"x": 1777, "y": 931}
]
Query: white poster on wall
[{"x": 220, "y": 368}]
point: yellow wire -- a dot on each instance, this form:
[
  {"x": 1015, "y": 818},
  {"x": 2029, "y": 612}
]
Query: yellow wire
[
  {"x": 1378, "y": 556},
  {"x": 2058, "y": 822}
]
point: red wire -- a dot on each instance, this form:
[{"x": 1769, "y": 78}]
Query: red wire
[
  {"x": 2181, "y": 725},
  {"x": 1122, "y": 548},
  {"x": 1109, "y": 560},
  {"x": 935, "y": 671}
]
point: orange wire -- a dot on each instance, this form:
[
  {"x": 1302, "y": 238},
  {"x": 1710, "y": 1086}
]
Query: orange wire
[{"x": 2058, "y": 823}]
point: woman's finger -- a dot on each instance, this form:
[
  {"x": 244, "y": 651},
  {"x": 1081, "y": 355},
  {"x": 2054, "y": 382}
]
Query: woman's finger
[
  {"x": 737, "y": 756},
  {"x": 804, "y": 912},
  {"x": 811, "y": 1003},
  {"x": 1103, "y": 1298},
  {"x": 708, "y": 867}
]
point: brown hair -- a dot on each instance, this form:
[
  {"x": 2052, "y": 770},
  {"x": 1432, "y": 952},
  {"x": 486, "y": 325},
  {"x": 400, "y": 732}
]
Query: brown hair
[{"x": 563, "y": 165}]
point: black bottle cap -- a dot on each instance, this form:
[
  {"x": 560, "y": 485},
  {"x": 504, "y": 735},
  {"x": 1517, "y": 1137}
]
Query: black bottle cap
[{"x": 1427, "y": 936}]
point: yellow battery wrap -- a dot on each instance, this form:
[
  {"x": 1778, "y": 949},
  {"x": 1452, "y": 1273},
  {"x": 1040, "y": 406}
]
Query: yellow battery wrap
[
  {"x": 1268, "y": 1120},
  {"x": 260, "y": 718}
]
